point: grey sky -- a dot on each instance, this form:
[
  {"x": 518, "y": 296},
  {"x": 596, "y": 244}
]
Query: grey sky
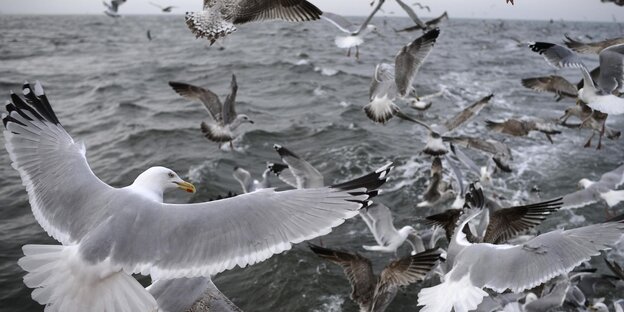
[{"x": 582, "y": 10}]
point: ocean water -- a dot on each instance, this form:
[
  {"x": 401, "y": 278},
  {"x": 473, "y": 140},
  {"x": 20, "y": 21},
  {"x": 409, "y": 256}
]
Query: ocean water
[{"x": 108, "y": 86}]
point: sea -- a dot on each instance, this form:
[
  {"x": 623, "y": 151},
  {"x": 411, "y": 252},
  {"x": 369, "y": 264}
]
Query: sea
[{"x": 109, "y": 87}]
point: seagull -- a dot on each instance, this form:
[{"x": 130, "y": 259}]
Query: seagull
[
  {"x": 522, "y": 127},
  {"x": 378, "y": 218},
  {"x": 225, "y": 118},
  {"x": 109, "y": 233},
  {"x": 421, "y": 6},
  {"x": 593, "y": 120},
  {"x": 514, "y": 267},
  {"x": 503, "y": 224},
  {"x": 421, "y": 103},
  {"x": 434, "y": 145},
  {"x": 113, "y": 7},
  {"x": 149, "y": 35},
  {"x": 190, "y": 294},
  {"x": 165, "y": 9},
  {"x": 553, "y": 83},
  {"x": 510, "y": 1},
  {"x": 598, "y": 97},
  {"x": 437, "y": 191},
  {"x": 220, "y": 17},
  {"x": 499, "y": 151},
  {"x": 552, "y": 297},
  {"x": 297, "y": 172},
  {"x": 597, "y": 191},
  {"x": 591, "y": 47},
  {"x": 394, "y": 81},
  {"x": 355, "y": 33},
  {"x": 420, "y": 25},
  {"x": 247, "y": 183},
  {"x": 374, "y": 293}
]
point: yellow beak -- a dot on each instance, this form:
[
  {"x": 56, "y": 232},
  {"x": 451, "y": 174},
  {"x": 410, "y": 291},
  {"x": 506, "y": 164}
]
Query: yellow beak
[{"x": 186, "y": 186}]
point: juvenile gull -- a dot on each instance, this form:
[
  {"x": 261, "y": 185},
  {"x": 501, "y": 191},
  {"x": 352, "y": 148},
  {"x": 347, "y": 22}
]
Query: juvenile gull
[
  {"x": 553, "y": 83},
  {"x": 611, "y": 77},
  {"x": 355, "y": 33},
  {"x": 110, "y": 233},
  {"x": 225, "y": 118},
  {"x": 165, "y": 9},
  {"x": 514, "y": 267},
  {"x": 499, "y": 151},
  {"x": 591, "y": 47},
  {"x": 372, "y": 293},
  {"x": 247, "y": 183},
  {"x": 394, "y": 81},
  {"x": 378, "y": 218},
  {"x": 522, "y": 127},
  {"x": 438, "y": 191},
  {"x": 219, "y": 17},
  {"x": 299, "y": 173},
  {"x": 597, "y": 191}
]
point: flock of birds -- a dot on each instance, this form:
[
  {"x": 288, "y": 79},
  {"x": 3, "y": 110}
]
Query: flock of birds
[{"x": 106, "y": 233}]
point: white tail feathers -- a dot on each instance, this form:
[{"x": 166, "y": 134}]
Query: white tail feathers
[
  {"x": 380, "y": 109},
  {"x": 64, "y": 282},
  {"x": 347, "y": 42},
  {"x": 208, "y": 25},
  {"x": 461, "y": 295},
  {"x": 613, "y": 197}
]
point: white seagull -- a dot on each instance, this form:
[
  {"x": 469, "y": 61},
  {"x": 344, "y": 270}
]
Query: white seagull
[
  {"x": 247, "y": 183},
  {"x": 109, "y": 233},
  {"x": 378, "y": 218},
  {"x": 597, "y": 191}
]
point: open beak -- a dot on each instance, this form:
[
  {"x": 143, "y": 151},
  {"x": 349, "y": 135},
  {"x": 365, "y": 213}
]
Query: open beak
[{"x": 186, "y": 186}]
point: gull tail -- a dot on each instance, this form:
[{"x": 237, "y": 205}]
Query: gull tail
[
  {"x": 65, "y": 283},
  {"x": 461, "y": 295},
  {"x": 382, "y": 109},
  {"x": 435, "y": 146},
  {"x": 613, "y": 197},
  {"x": 215, "y": 133},
  {"x": 206, "y": 25}
]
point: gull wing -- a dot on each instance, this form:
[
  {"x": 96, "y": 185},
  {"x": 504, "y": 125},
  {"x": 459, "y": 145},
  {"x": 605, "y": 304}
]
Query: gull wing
[
  {"x": 183, "y": 294},
  {"x": 553, "y": 83},
  {"x": 378, "y": 218},
  {"x": 410, "y": 58},
  {"x": 229, "y": 106},
  {"x": 509, "y": 222},
  {"x": 369, "y": 17},
  {"x": 614, "y": 178},
  {"x": 467, "y": 113},
  {"x": 208, "y": 98},
  {"x": 337, "y": 20},
  {"x": 611, "y": 69},
  {"x": 382, "y": 83},
  {"x": 358, "y": 270},
  {"x": 412, "y": 14},
  {"x": 437, "y": 20},
  {"x": 283, "y": 173},
  {"x": 53, "y": 167},
  {"x": 307, "y": 176},
  {"x": 287, "y": 10}
]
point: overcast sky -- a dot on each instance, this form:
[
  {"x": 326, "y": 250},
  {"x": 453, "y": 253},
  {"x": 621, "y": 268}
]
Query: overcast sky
[{"x": 582, "y": 10}]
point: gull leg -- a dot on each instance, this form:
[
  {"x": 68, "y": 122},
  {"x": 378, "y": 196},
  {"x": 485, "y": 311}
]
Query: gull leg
[
  {"x": 349, "y": 52},
  {"x": 231, "y": 146},
  {"x": 357, "y": 52},
  {"x": 588, "y": 143},
  {"x": 602, "y": 132}
]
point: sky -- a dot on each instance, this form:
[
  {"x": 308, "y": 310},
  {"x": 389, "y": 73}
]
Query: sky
[{"x": 579, "y": 10}]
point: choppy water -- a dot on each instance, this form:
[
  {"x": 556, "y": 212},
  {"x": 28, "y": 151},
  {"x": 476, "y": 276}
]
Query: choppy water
[{"x": 108, "y": 85}]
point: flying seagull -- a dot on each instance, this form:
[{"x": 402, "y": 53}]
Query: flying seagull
[
  {"x": 598, "y": 97},
  {"x": 356, "y": 33},
  {"x": 597, "y": 191},
  {"x": 190, "y": 294},
  {"x": 437, "y": 191},
  {"x": 514, "y": 267},
  {"x": 374, "y": 293},
  {"x": 593, "y": 120},
  {"x": 421, "y": 6},
  {"x": 499, "y": 151},
  {"x": 522, "y": 127},
  {"x": 220, "y": 17},
  {"x": 113, "y": 7},
  {"x": 420, "y": 25},
  {"x": 394, "y": 81},
  {"x": 435, "y": 145},
  {"x": 109, "y": 233},
  {"x": 165, "y": 9},
  {"x": 247, "y": 183},
  {"x": 297, "y": 172},
  {"x": 378, "y": 218},
  {"x": 591, "y": 47},
  {"x": 553, "y": 83},
  {"x": 225, "y": 118}
]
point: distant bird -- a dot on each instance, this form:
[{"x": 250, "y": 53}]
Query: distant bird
[
  {"x": 420, "y": 25},
  {"x": 149, "y": 35},
  {"x": 510, "y": 1},
  {"x": 370, "y": 292},
  {"x": 503, "y": 224},
  {"x": 591, "y": 47},
  {"x": 297, "y": 172},
  {"x": 195, "y": 294},
  {"x": 165, "y": 9},
  {"x": 522, "y": 127},
  {"x": 422, "y": 102},
  {"x": 113, "y": 7},
  {"x": 219, "y": 17},
  {"x": 553, "y": 83},
  {"x": 247, "y": 183},
  {"x": 598, "y": 97},
  {"x": 474, "y": 266},
  {"x": 435, "y": 145},
  {"x": 225, "y": 118},
  {"x": 499, "y": 151},
  {"x": 394, "y": 81},
  {"x": 438, "y": 191},
  {"x": 422, "y": 7},
  {"x": 597, "y": 191},
  {"x": 379, "y": 220},
  {"x": 616, "y": 2},
  {"x": 356, "y": 33}
]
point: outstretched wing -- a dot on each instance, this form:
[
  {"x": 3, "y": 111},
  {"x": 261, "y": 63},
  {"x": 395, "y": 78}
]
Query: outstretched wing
[
  {"x": 287, "y": 10},
  {"x": 612, "y": 69},
  {"x": 412, "y": 14},
  {"x": 54, "y": 169},
  {"x": 378, "y": 218},
  {"x": 229, "y": 106},
  {"x": 208, "y": 98},
  {"x": 307, "y": 176},
  {"x": 467, "y": 113},
  {"x": 410, "y": 58}
]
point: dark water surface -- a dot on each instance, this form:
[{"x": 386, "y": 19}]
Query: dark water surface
[{"x": 108, "y": 85}]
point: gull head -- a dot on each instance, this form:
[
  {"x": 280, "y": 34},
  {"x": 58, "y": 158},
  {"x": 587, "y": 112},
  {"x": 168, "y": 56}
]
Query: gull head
[
  {"x": 584, "y": 183},
  {"x": 244, "y": 118},
  {"x": 160, "y": 179}
]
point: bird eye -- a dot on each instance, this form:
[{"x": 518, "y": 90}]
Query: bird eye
[{"x": 171, "y": 175}]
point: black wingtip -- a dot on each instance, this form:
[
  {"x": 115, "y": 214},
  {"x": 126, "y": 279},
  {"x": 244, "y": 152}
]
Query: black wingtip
[
  {"x": 276, "y": 168},
  {"x": 284, "y": 152},
  {"x": 35, "y": 102},
  {"x": 474, "y": 197},
  {"x": 540, "y": 47},
  {"x": 370, "y": 182},
  {"x": 432, "y": 34}
]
